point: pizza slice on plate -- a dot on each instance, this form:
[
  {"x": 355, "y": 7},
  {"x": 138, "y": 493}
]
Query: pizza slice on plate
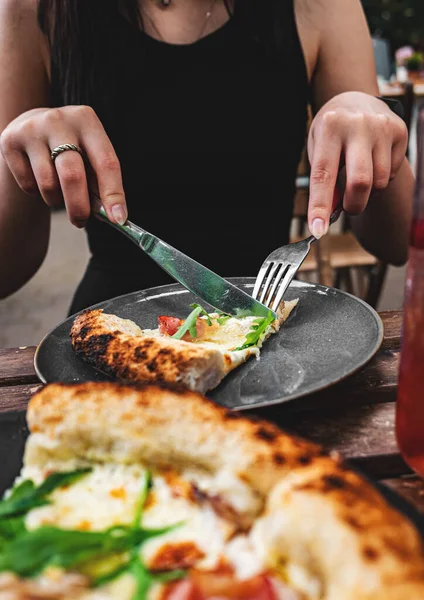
[
  {"x": 197, "y": 352},
  {"x": 134, "y": 494}
]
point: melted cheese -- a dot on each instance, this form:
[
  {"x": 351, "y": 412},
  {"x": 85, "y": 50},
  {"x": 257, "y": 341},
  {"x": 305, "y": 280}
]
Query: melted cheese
[
  {"x": 108, "y": 496},
  {"x": 228, "y": 336},
  {"x": 235, "y": 491},
  {"x": 105, "y": 497}
]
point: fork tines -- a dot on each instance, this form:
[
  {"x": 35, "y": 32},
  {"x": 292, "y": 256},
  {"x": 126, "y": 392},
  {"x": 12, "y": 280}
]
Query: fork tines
[{"x": 273, "y": 280}]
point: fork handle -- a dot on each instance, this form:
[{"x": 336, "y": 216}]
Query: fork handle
[{"x": 336, "y": 212}]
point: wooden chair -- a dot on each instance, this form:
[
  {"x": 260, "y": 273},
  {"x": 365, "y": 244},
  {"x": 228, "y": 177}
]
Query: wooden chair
[{"x": 338, "y": 260}]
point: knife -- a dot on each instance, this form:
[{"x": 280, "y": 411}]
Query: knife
[{"x": 201, "y": 281}]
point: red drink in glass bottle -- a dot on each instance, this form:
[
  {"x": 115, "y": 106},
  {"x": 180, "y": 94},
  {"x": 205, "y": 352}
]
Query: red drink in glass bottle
[{"x": 410, "y": 399}]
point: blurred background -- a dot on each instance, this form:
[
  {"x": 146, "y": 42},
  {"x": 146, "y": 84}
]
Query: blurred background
[{"x": 397, "y": 28}]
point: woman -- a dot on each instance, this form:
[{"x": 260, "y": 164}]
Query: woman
[{"x": 191, "y": 117}]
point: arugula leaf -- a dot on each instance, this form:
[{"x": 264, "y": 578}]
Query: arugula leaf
[
  {"x": 170, "y": 576},
  {"x": 257, "y": 330},
  {"x": 145, "y": 487},
  {"x": 190, "y": 322},
  {"x": 32, "y": 551},
  {"x": 204, "y": 313},
  {"x": 108, "y": 577},
  {"x": 222, "y": 320},
  {"x": 10, "y": 529},
  {"x": 145, "y": 579},
  {"x": 222, "y": 317},
  {"x": 28, "y": 553},
  {"x": 57, "y": 480},
  {"x": 26, "y": 496}
]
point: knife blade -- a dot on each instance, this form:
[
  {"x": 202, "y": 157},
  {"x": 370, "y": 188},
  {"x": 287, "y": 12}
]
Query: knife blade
[{"x": 198, "y": 279}]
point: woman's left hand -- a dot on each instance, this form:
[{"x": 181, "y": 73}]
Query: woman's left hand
[{"x": 361, "y": 133}]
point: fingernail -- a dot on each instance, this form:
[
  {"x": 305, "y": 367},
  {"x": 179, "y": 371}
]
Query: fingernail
[
  {"x": 119, "y": 214},
  {"x": 318, "y": 228}
]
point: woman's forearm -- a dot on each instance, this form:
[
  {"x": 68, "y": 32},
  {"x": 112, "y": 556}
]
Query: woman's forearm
[
  {"x": 24, "y": 233},
  {"x": 383, "y": 228}
]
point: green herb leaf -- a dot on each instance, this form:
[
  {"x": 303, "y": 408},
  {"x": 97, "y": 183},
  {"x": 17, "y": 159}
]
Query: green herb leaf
[
  {"x": 102, "y": 555},
  {"x": 108, "y": 577},
  {"x": 31, "y": 552},
  {"x": 10, "y": 529},
  {"x": 143, "y": 578},
  {"x": 257, "y": 330},
  {"x": 145, "y": 487},
  {"x": 190, "y": 322},
  {"x": 26, "y": 496},
  {"x": 203, "y": 312},
  {"x": 222, "y": 320},
  {"x": 170, "y": 576},
  {"x": 188, "y": 325}
]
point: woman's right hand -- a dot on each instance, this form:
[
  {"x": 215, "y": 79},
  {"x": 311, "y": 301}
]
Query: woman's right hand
[{"x": 27, "y": 142}]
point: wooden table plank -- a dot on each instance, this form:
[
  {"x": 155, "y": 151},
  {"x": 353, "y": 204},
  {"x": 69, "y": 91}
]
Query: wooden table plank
[
  {"x": 364, "y": 435},
  {"x": 374, "y": 384},
  {"x": 355, "y": 432},
  {"x": 16, "y": 366},
  {"x": 410, "y": 487},
  {"x": 16, "y": 398},
  {"x": 392, "y": 322}
]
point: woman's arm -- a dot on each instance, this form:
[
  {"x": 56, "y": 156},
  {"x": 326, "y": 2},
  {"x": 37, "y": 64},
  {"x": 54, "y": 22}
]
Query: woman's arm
[
  {"x": 30, "y": 130},
  {"x": 24, "y": 220},
  {"x": 354, "y": 129}
]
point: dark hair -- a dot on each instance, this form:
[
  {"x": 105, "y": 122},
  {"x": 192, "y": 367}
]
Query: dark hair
[{"x": 79, "y": 31}]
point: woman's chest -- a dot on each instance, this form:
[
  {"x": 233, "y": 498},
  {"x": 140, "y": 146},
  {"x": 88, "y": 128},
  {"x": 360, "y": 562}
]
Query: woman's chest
[{"x": 209, "y": 102}]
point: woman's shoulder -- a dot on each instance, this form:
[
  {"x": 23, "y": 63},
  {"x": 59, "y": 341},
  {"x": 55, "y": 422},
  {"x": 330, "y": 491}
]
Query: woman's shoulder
[
  {"x": 308, "y": 16},
  {"x": 19, "y": 10},
  {"x": 19, "y": 21}
]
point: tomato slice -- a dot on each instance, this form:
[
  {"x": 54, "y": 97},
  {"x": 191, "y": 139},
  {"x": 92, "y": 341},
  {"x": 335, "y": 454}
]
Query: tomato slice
[
  {"x": 183, "y": 590},
  {"x": 169, "y": 325},
  {"x": 222, "y": 586}
]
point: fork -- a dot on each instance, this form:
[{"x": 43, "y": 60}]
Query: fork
[{"x": 279, "y": 268}]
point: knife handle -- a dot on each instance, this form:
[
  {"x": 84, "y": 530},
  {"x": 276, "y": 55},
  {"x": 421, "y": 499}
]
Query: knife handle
[{"x": 129, "y": 229}]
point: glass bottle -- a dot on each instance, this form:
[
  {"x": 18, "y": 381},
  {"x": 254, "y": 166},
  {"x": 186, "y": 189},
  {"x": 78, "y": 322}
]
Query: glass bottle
[{"x": 410, "y": 398}]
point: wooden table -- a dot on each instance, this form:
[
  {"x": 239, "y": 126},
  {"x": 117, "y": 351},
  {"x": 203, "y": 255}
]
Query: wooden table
[
  {"x": 396, "y": 89},
  {"x": 355, "y": 417}
]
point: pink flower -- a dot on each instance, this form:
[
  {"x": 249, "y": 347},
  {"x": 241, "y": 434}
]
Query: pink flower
[{"x": 403, "y": 53}]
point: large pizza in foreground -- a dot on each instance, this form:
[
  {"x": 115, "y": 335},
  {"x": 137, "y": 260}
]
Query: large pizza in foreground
[{"x": 154, "y": 493}]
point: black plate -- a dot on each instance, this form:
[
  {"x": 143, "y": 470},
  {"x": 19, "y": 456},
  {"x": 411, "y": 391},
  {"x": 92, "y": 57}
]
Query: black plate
[
  {"x": 13, "y": 434},
  {"x": 330, "y": 335}
]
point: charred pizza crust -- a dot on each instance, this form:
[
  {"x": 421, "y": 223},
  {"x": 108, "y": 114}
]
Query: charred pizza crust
[
  {"x": 117, "y": 347},
  {"x": 315, "y": 514},
  {"x": 120, "y": 348}
]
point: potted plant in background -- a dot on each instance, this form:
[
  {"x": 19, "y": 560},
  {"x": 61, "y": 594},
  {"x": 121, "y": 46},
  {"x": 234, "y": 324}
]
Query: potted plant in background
[
  {"x": 415, "y": 65},
  {"x": 402, "y": 55}
]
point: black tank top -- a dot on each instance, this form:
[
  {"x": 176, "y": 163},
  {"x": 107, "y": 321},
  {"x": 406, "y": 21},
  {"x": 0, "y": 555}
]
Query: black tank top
[{"x": 209, "y": 137}]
